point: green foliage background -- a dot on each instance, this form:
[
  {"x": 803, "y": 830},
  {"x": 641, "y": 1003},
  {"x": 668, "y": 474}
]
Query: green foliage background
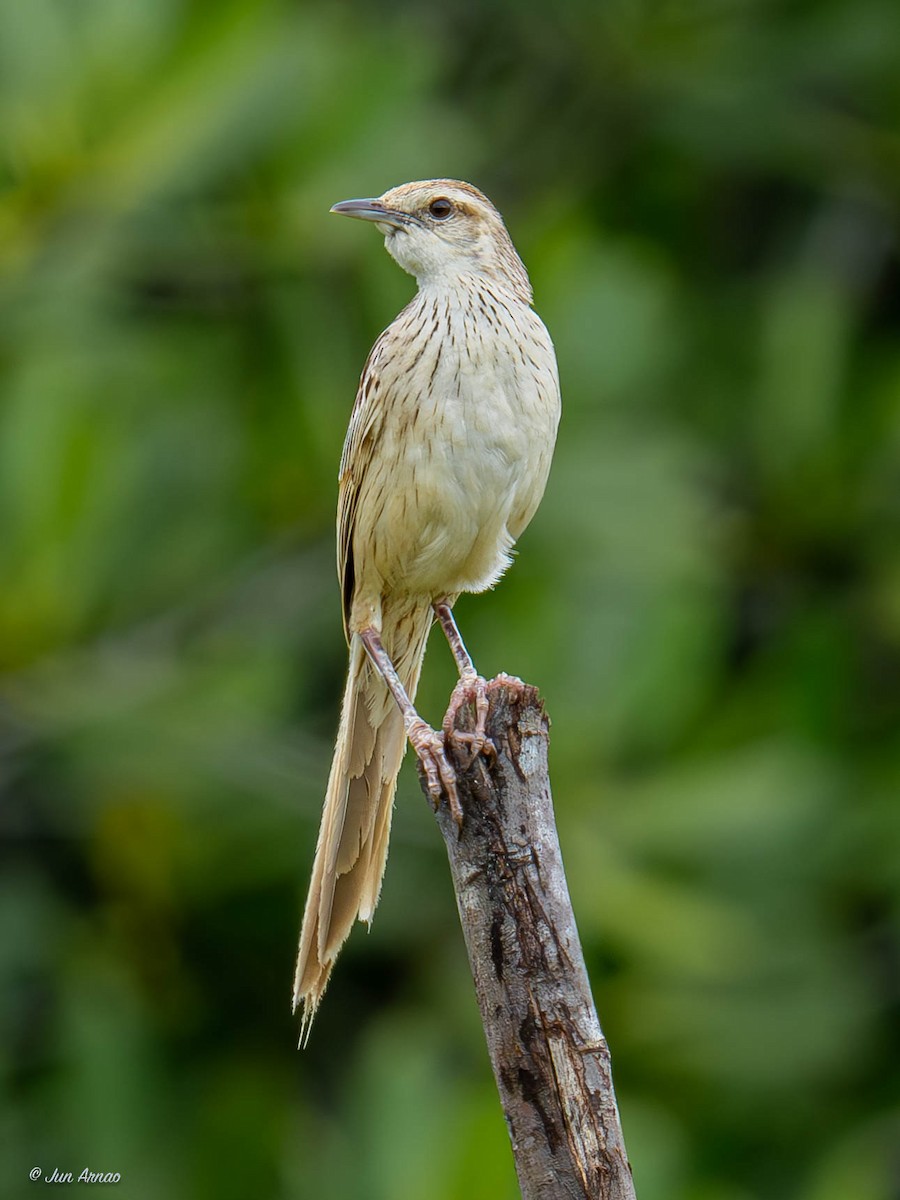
[{"x": 705, "y": 192}]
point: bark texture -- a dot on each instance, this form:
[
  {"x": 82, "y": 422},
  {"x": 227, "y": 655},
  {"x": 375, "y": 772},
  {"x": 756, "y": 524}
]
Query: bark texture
[{"x": 549, "y": 1056}]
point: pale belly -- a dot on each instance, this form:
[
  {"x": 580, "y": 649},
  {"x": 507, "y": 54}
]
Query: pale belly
[{"x": 468, "y": 466}]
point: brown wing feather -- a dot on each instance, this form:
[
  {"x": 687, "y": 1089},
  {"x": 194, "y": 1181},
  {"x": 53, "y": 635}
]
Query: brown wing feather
[{"x": 365, "y": 423}]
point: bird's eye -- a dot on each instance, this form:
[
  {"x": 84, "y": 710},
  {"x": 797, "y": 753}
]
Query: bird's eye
[{"x": 441, "y": 208}]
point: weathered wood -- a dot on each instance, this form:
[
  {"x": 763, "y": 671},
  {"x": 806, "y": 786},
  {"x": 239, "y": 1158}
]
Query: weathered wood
[{"x": 550, "y": 1058}]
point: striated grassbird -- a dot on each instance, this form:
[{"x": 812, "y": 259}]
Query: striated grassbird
[{"x": 444, "y": 465}]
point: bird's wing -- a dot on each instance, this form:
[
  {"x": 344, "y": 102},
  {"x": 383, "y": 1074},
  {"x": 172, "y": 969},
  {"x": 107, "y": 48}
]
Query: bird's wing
[{"x": 365, "y": 422}]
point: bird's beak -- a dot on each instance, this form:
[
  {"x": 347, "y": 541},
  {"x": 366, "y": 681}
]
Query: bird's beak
[{"x": 372, "y": 210}]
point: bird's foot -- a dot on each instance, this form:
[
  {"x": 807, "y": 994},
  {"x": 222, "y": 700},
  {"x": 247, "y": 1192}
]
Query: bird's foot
[
  {"x": 440, "y": 778},
  {"x": 471, "y": 688}
]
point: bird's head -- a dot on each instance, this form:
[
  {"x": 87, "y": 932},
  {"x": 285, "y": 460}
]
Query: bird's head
[{"x": 445, "y": 232}]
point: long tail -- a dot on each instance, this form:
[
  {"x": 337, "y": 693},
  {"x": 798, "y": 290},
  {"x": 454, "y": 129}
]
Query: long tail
[{"x": 356, "y": 821}]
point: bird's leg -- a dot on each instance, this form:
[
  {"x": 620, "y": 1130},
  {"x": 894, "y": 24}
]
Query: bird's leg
[
  {"x": 427, "y": 742},
  {"x": 471, "y": 686}
]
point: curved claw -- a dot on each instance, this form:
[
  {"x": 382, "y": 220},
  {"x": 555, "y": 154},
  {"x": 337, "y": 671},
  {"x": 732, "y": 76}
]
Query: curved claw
[
  {"x": 440, "y": 777},
  {"x": 470, "y": 688}
]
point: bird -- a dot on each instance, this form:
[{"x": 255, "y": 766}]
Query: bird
[{"x": 444, "y": 464}]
